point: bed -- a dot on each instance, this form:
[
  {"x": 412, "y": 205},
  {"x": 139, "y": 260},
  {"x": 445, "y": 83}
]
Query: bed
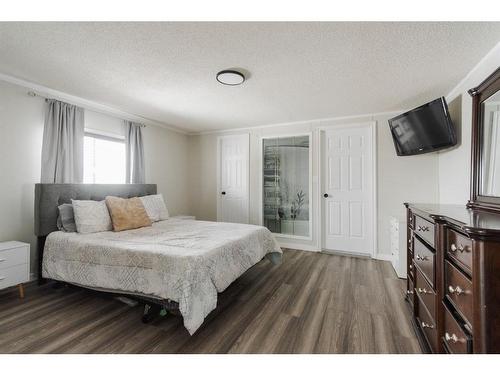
[{"x": 184, "y": 262}]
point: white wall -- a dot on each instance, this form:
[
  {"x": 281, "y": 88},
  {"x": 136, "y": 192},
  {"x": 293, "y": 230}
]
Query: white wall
[
  {"x": 21, "y": 130},
  {"x": 400, "y": 179},
  {"x": 454, "y": 164}
]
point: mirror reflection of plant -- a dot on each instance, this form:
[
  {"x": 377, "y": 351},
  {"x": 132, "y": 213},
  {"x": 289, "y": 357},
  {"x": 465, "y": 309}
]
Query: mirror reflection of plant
[{"x": 297, "y": 204}]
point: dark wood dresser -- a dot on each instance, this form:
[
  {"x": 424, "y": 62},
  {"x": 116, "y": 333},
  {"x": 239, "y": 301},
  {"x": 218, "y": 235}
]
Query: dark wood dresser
[{"x": 454, "y": 278}]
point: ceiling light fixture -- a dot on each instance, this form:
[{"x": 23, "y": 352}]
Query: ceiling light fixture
[{"x": 230, "y": 77}]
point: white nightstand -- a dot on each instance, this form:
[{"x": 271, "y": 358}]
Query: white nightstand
[
  {"x": 14, "y": 264},
  {"x": 184, "y": 217}
]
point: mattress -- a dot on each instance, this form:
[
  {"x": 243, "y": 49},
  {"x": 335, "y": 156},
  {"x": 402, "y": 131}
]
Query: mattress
[{"x": 187, "y": 261}]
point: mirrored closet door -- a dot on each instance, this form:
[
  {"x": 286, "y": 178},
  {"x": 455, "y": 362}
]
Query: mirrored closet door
[{"x": 287, "y": 185}]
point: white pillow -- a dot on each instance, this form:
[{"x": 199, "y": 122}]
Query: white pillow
[
  {"x": 91, "y": 216},
  {"x": 155, "y": 207}
]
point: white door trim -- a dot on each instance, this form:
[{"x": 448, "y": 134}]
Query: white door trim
[
  {"x": 218, "y": 195},
  {"x": 320, "y": 216},
  {"x": 311, "y": 190}
]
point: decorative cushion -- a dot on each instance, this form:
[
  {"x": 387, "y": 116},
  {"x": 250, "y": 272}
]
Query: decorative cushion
[
  {"x": 91, "y": 216},
  {"x": 66, "y": 218},
  {"x": 127, "y": 213},
  {"x": 155, "y": 207}
]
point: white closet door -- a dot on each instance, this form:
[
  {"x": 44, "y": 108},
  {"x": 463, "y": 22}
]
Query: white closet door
[
  {"x": 347, "y": 195},
  {"x": 233, "y": 181}
]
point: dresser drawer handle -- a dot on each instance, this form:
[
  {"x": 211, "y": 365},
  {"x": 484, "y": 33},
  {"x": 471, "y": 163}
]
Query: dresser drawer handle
[
  {"x": 463, "y": 248},
  {"x": 453, "y": 338},
  {"x": 411, "y": 266},
  {"x": 2, "y": 278},
  {"x": 409, "y": 292},
  {"x": 422, "y": 228},
  {"x": 424, "y": 258},
  {"x": 423, "y": 291},
  {"x": 425, "y": 325},
  {"x": 2, "y": 260},
  {"x": 457, "y": 290},
  {"x": 460, "y": 248}
]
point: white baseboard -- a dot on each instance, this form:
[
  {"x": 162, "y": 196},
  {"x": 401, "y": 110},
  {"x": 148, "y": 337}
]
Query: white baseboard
[
  {"x": 296, "y": 246},
  {"x": 345, "y": 253},
  {"x": 382, "y": 256}
]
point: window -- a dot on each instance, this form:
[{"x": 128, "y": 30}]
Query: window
[
  {"x": 103, "y": 159},
  {"x": 286, "y": 187}
]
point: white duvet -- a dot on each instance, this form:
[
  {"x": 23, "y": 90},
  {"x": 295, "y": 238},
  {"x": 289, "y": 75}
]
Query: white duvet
[{"x": 186, "y": 261}]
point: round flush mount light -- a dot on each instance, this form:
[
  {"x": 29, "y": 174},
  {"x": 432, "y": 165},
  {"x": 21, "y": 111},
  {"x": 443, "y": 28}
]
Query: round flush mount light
[{"x": 230, "y": 77}]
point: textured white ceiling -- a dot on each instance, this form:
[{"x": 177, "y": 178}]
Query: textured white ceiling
[{"x": 297, "y": 71}]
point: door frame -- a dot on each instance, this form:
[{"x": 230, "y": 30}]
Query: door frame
[
  {"x": 372, "y": 125},
  {"x": 261, "y": 183},
  {"x": 218, "y": 174}
]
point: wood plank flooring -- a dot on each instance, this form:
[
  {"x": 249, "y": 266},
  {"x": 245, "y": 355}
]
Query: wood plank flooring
[{"x": 312, "y": 303}]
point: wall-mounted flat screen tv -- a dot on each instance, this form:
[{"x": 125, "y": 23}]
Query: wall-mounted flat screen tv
[{"x": 424, "y": 129}]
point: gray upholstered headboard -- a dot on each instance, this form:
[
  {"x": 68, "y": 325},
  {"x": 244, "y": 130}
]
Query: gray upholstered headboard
[{"x": 49, "y": 196}]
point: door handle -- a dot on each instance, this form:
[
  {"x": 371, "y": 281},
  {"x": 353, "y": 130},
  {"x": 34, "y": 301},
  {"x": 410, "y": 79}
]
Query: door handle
[
  {"x": 325, "y": 195},
  {"x": 223, "y": 193}
]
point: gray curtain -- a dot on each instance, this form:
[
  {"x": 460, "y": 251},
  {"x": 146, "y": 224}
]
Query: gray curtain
[
  {"x": 135, "y": 153},
  {"x": 62, "y": 147}
]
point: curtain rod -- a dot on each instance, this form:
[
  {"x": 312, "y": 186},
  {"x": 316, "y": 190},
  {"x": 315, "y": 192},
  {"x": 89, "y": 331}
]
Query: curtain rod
[{"x": 35, "y": 94}]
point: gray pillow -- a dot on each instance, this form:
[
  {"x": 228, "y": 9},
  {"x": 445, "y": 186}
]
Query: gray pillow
[
  {"x": 155, "y": 207},
  {"x": 66, "y": 218},
  {"x": 91, "y": 216}
]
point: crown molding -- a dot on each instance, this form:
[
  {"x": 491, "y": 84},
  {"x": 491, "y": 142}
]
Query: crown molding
[
  {"x": 47, "y": 92},
  {"x": 313, "y": 122},
  {"x": 459, "y": 86}
]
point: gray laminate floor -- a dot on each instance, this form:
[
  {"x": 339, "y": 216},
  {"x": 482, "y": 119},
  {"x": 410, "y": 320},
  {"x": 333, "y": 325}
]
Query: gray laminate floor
[{"x": 312, "y": 303}]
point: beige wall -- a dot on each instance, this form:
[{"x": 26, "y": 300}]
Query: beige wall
[
  {"x": 400, "y": 179},
  {"x": 21, "y": 129},
  {"x": 454, "y": 164}
]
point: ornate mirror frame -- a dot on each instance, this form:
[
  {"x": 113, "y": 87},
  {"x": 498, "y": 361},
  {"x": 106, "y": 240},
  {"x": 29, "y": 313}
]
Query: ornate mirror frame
[{"x": 479, "y": 94}]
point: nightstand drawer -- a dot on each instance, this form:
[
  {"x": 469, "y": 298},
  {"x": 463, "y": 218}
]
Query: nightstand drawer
[
  {"x": 13, "y": 257},
  {"x": 13, "y": 276}
]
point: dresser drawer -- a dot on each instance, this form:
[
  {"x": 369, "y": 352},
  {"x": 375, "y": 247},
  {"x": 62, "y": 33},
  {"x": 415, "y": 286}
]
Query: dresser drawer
[
  {"x": 410, "y": 291},
  {"x": 411, "y": 268},
  {"x": 424, "y": 259},
  {"x": 424, "y": 291},
  {"x": 459, "y": 249},
  {"x": 427, "y": 325},
  {"x": 13, "y": 257},
  {"x": 425, "y": 229},
  {"x": 457, "y": 341},
  {"x": 459, "y": 292},
  {"x": 411, "y": 219},
  {"x": 13, "y": 276}
]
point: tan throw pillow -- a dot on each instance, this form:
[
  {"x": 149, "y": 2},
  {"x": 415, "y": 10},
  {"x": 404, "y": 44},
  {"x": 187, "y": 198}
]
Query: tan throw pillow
[{"x": 127, "y": 213}]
